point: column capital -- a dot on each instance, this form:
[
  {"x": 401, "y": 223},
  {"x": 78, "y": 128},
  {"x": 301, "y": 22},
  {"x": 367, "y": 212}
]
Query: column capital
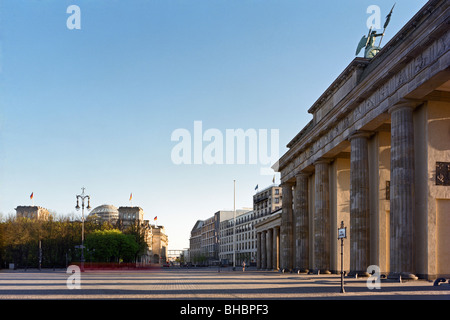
[
  {"x": 360, "y": 134},
  {"x": 286, "y": 184},
  {"x": 322, "y": 160},
  {"x": 300, "y": 173},
  {"x": 405, "y": 103}
]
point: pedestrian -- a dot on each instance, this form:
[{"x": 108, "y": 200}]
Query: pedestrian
[{"x": 243, "y": 266}]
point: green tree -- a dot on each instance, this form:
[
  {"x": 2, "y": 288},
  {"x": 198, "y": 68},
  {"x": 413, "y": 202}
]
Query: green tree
[
  {"x": 58, "y": 237},
  {"x": 137, "y": 231},
  {"x": 111, "y": 245}
]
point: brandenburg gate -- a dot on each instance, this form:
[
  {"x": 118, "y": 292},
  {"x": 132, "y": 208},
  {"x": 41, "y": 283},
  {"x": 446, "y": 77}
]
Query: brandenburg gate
[{"x": 376, "y": 155}]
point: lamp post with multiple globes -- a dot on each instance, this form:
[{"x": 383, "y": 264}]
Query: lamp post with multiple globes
[{"x": 82, "y": 196}]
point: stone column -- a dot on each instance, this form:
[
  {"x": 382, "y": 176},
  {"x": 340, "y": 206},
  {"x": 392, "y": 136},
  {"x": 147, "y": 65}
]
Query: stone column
[
  {"x": 301, "y": 217},
  {"x": 359, "y": 204},
  {"x": 276, "y": 248},
  {"x": 269, "y": 247},
  {"x": 258, "y": 250},
  {"x": 322, "y": 218},
  {"x": 263, "y": 250},
  {"x": 286, "y": 230},
  {"x": 402, "y": 191}
]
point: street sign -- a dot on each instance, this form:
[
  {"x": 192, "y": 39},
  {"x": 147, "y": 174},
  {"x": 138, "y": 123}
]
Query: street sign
[{"x": 342, "y": 233}]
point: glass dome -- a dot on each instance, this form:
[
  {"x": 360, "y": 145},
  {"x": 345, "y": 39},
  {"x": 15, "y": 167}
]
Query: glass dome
[{"x": 105, "y": 212}]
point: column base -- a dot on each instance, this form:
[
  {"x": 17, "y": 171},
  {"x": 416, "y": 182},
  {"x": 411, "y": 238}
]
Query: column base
[
  {"x": 302, "y": 270},
  {"x": 320, "y": 271},
  {"x": 358, "y": 274},
  {"x": 402, "y": 276}
]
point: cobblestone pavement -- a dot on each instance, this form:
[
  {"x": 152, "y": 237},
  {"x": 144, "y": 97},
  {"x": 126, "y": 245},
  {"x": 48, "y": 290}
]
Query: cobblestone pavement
[{"x": 205, "y": 283}]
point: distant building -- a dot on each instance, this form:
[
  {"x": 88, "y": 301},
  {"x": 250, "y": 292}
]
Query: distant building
[
  {"x": 204, "y": 241},
  {"x": 265, "y": 203},
  {"x": 130, "y": 215},
  {"x": 157, "y": 241},
  {"x": 32, "y": 212},
  {"x": 195, "y": 241},
  {"x": 239, "y": 241}
]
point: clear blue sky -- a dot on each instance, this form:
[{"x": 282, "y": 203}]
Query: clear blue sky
[{"x": 96, "y": 107}]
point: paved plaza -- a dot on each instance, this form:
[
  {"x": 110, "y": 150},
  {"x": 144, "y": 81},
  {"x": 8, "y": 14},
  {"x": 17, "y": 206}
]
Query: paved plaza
[{"x": 205, "y": 283}]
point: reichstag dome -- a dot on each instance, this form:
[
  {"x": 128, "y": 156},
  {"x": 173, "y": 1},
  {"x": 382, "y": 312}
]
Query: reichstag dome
[{"x": 105, "y": 212}]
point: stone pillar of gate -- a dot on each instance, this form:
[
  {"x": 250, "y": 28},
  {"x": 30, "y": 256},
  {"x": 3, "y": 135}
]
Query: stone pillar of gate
[
  {"x": 258, "y": 250},
  {"x": 402, "y": 192},
  {"x": 286, "y": 236},
  {"x": 359, "y": 204},
  {"x": 263, "y": 250},
  {"x": 276, "y": 248},
  {"x": 322, "y": 239},
  {"x": 301, "y": 221},
  {"x": 269, "y": 247}
]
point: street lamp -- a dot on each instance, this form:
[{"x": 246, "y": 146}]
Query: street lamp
[
  {"x": 82, "y": 196},
  {"x": 342, "y": 234}
]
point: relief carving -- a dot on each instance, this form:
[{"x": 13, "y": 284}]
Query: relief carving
[
  {"x": 420, "y": 63},
  {"x": 401, "y": 78},
  {"x": 382, "y": 92}
]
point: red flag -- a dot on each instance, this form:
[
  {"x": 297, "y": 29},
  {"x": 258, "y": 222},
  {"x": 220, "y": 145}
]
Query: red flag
[
  {"x": 31, "y": 195},
  {"x": 131, "y": 196},
  {"x": 155, "y": 218}
]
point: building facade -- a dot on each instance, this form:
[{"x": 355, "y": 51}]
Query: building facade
[
  {"x": 195, "y": 242},
  {"x": 244, "y": 236},
  {"x": 157, "y": 241},
  {"x": 205, "y": 241},
  {"x": 129, "y": 216},
  {"x": 32, "y": 212},
  {"x": 376, "y": 155},
  {"x": 238, "y": 243},
  {"x": 267, "y": 201}
]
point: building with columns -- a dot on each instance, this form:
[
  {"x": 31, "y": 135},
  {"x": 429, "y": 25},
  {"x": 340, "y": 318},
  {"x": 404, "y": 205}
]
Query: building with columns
[
  {"x": 376, "y": 155},
  {"x": 240, "y": 241},
  {"x": 268, "y": 242}
]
